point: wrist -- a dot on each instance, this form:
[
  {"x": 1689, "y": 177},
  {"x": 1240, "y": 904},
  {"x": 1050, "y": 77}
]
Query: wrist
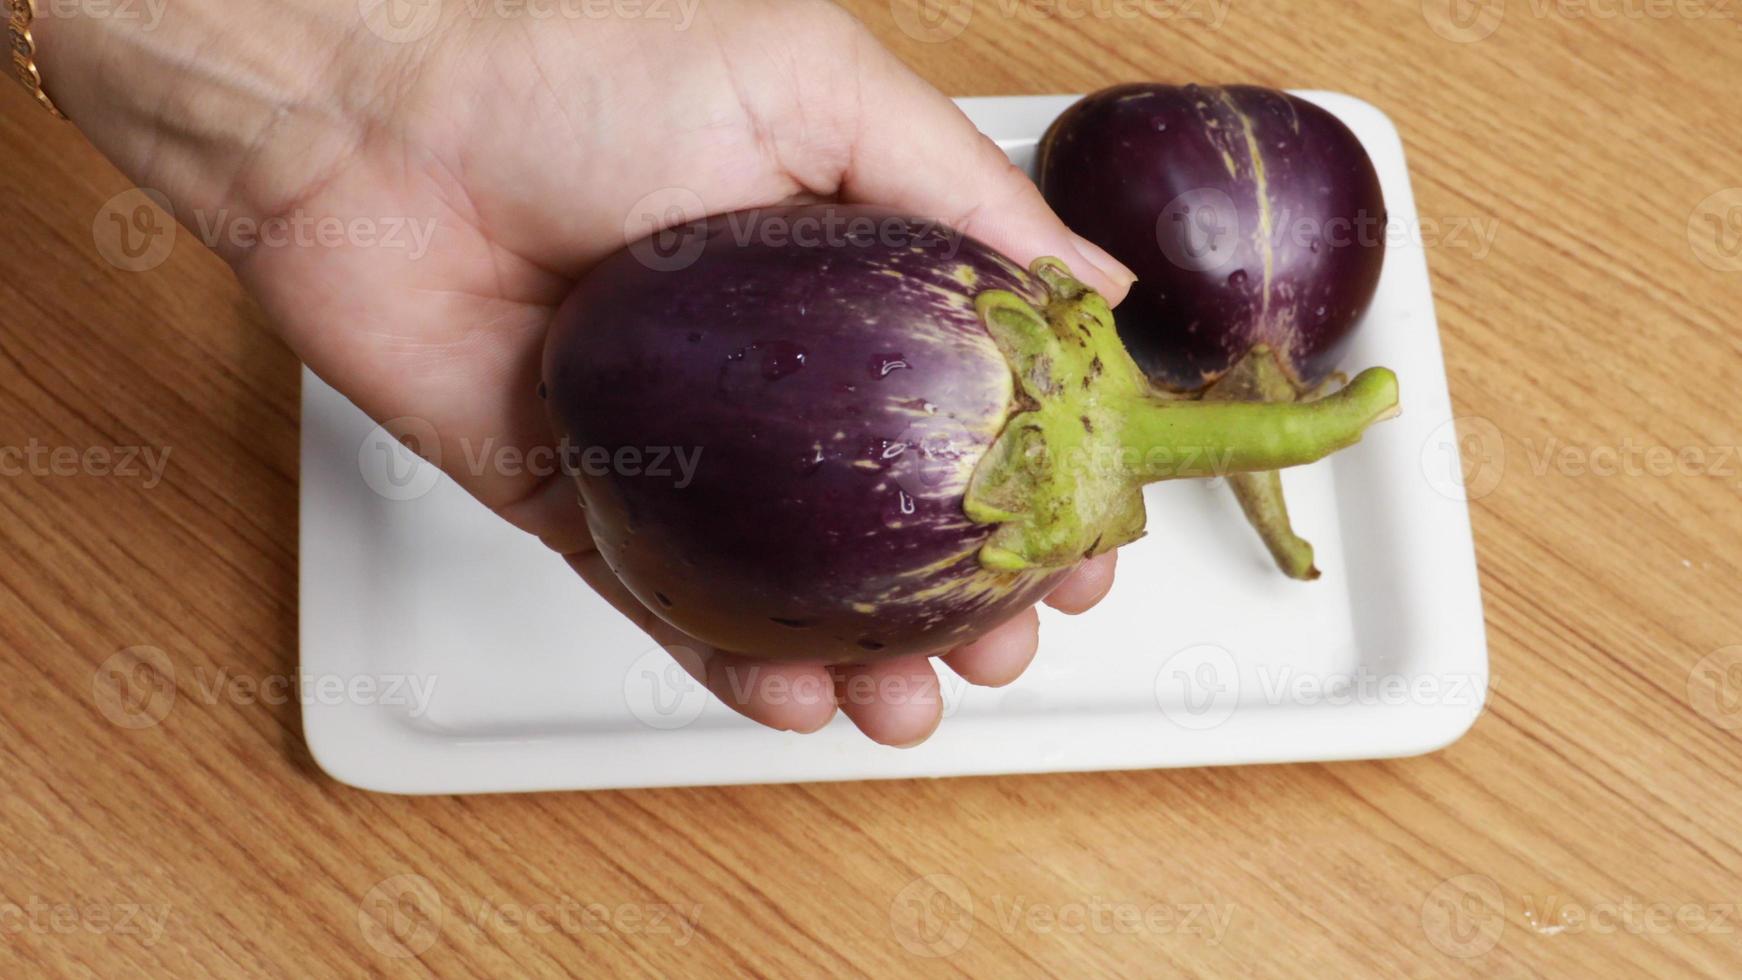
[{"x": 182, "y": 95}]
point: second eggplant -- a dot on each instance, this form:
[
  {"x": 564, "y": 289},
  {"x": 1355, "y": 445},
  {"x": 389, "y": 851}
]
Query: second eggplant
[{"x": 1255, "y": 223}]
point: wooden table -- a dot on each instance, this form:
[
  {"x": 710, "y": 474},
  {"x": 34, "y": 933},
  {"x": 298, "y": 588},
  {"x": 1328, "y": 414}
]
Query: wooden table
[{"x": 1587, "y": 825}]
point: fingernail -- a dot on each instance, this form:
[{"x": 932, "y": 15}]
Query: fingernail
[{"x": 1107, "y": 265}]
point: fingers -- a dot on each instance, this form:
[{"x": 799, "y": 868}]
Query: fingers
[
  {"x": 1086, "y": 586},
  {"x": 1000, "y": 656},
  {"x": 899, "y": 702},
  {"x": 914, "y": 150},
  {"x": 551, "y": 510},
  {"x": 896, "y": 702},
  {"x": 789, "y": 697}
]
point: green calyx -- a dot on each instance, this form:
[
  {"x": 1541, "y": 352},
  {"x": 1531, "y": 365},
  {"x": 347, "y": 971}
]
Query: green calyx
[{"x": 1064, "y": 480}]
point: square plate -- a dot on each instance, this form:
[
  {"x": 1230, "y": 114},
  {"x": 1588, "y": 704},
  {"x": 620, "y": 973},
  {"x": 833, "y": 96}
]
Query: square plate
[{"x": 445, "y": 652}]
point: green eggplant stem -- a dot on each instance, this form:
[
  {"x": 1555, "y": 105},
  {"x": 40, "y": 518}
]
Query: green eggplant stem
[
  {"x": 1064, "y": 480},
  {"x": 1177, "y": 439},
  {"x": 1260, "y": 376},
  {"x": 1261, "y": 500}
]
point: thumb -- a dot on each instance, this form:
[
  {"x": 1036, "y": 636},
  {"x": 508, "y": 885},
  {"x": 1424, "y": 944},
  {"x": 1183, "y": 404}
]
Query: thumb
[{"x": 914, "y": 150}]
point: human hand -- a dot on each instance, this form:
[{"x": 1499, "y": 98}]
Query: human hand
[{"x": 534, "y": 147}]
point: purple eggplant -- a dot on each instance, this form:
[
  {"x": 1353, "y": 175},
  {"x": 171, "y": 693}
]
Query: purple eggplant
[
  {"x": 1255, "y": 224},
  {"x": 879, "y": 437}
]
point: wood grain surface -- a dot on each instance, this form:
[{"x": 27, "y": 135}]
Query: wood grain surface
[{"x": 1571, "y": 159}]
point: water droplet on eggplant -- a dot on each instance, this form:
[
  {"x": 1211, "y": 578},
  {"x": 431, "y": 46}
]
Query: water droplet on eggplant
[
  {"x": 780, "y": 358},
  {"x": 1237, "y": 278},
  {"x": 878, "y": 453},
  {"x": 883, "y": 365},
  {"x": 811, "y": 461}
]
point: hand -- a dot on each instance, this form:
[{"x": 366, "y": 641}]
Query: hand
[{"x": 527, "y": 144}]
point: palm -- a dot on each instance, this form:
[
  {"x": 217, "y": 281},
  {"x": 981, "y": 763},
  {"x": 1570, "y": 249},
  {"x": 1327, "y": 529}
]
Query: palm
[
  {"x": 532, "y": 164},
  {"x": 523, "y": 197}
]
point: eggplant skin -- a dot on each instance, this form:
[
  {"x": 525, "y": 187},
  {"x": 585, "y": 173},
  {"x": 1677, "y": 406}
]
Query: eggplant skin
[
  {"x": 1250, "y": 217},
  {"x": 833, "y": 392}
]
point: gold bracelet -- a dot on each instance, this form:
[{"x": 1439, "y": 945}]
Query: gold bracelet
[{"x": 20, "y": 14}]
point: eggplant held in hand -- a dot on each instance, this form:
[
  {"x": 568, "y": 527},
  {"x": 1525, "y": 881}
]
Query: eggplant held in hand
[{"x": 899, "y": 438}]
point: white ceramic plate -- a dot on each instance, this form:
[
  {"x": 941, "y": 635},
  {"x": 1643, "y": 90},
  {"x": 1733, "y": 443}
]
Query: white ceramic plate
[{"x": 444, "y": 652}]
